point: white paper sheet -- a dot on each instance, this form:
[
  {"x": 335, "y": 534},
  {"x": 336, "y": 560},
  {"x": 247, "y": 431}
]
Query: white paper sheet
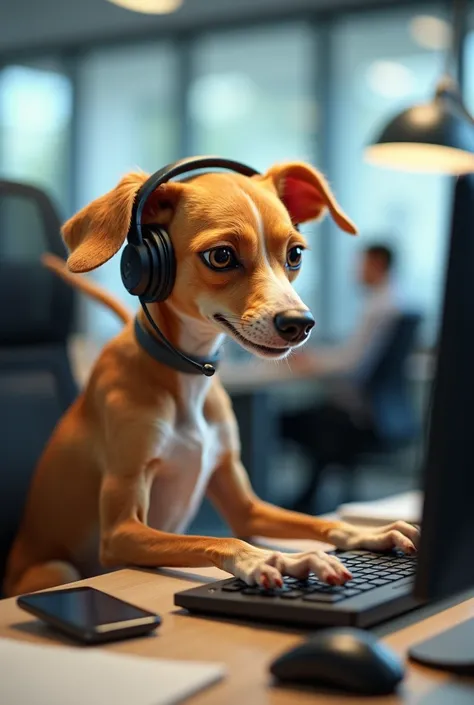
[
  {"x": 407, "y": 506},
  {"x": 50, "y": 675}
]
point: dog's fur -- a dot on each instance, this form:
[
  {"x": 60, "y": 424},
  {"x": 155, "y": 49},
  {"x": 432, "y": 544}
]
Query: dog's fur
[{"x": 128, "y": 464}]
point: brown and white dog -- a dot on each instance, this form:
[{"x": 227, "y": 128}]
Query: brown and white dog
[{"x": 128, "y": 464}]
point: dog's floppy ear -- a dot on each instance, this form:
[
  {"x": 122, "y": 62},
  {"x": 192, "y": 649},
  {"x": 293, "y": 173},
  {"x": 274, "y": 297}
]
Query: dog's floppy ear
[
  {"x": 306, "y": 194},
  {"x": 98, "y": 231}
]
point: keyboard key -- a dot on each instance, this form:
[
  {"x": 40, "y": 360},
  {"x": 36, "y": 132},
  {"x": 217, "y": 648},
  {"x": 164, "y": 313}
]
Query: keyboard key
[
  {"x": 351, "y": 592},
  {"x": 291, "y": 595},
  {"x": 335, "y": 588},
  {"x": 365, "y": 586},
  {"x": 326, "y": 597},
  {"x": 379, "y": 582},
  {"x": 254, "y": 590},
  {"x": 326, "y": 589}
]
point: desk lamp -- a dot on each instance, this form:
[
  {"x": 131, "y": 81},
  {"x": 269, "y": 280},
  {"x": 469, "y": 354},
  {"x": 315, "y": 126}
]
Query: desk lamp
[{"x": 434, "y": 137}]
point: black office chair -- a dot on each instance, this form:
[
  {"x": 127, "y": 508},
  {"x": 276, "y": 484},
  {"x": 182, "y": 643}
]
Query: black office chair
[
  {"x": 388, "y": 419},
  {"x": 36, "y": 315},
  {"x": 387, "y": 387}
]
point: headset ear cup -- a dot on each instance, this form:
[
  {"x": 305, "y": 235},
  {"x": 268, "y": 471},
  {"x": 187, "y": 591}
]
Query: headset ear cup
[
  {"x": 162, "y": 264},
  {"x": 169, "y": 273},
  {"x": 135, "y": 269}
]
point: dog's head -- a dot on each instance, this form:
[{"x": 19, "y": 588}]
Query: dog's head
[{"x": 236, "y": 245}]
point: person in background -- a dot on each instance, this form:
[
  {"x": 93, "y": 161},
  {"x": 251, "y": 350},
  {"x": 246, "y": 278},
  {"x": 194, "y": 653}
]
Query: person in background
[
  {"x": 380, "y": 307},
  {"x": 340, "y": 426}
]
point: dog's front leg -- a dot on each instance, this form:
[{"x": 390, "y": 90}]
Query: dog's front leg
[
  {"x": 127, "y": 540},
  {"x": 248, "y": 516}
]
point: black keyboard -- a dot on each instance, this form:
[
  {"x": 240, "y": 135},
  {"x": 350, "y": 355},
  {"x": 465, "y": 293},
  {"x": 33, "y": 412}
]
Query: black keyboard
[
  {"x": 381, "y": 588},
  {"x": 369, "y": 571}
]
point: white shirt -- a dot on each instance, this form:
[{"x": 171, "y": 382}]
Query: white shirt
[{"x": 350, "y": 358}]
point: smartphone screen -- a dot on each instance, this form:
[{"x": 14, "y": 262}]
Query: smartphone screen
[{"x": 88, "y": 613}]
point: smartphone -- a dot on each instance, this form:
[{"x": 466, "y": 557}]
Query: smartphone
[{"x": 89, "y": 615}]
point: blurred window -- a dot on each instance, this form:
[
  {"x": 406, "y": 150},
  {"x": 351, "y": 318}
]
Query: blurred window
[
  {"x": 35, "y": 118},
  {"x": 383, "y": 62},
  {"x": 468, "y": 92},
  {"x": 128, "y": 120},
  {"x": 252, "y": 98},
  {"x": 255, "y": 94}
]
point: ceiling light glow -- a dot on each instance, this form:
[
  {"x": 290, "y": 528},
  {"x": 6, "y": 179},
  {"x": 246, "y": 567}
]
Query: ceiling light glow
[{"x": 152, "y": 7}]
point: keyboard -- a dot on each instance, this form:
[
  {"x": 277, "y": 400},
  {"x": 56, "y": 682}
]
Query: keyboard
[
  {"x": 368, "y": 572},
  {"x": 380, "y": 588}
]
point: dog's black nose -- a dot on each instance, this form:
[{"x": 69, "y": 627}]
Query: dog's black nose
[{"x": 294, "y": 326}]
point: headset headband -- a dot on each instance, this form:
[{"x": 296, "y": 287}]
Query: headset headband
[{"x": 169, "y": 172}]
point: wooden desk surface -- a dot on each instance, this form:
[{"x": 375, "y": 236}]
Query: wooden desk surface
[{"x": 246, "y": 650}]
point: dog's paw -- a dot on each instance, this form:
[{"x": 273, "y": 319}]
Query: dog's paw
[
  {"x": 267, "y": 568},
  {"x": 397, "y": 535}
]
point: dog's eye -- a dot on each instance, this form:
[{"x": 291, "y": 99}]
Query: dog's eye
[
  {"x": 220, "y": 258},
  {"x": 294, "y": 257}
]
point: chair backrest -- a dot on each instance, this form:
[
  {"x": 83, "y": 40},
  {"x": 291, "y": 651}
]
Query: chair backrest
[
  {"x": 387, "y": 386},
  {"x": 36, "y": 315}
]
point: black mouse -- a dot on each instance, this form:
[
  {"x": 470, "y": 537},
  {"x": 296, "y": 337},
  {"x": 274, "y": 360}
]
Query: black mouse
[{"x": 346, "y": 659}]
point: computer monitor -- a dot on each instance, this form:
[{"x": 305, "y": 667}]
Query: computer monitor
[{"x": 446, "y": 560}]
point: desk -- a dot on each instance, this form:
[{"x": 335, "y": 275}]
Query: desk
[{"x": 245, "y": 650}]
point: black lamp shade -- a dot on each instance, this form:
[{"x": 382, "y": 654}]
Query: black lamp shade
[{"x": 433, "y": 137}]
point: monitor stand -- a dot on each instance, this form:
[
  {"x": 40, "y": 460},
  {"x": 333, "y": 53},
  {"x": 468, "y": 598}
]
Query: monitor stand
[{"x": 452, "y": 650}]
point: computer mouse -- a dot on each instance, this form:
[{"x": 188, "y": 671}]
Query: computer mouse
[{"x": 345, "y": 659}]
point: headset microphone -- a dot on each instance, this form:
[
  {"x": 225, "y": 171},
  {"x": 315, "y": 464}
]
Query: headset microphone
[
  {"x": 148, "y": 265},
  {"x": 206, "y": 368}
]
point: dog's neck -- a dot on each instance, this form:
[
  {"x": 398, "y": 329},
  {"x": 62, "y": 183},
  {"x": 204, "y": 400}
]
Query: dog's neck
[{"x": 193, "y": 336}]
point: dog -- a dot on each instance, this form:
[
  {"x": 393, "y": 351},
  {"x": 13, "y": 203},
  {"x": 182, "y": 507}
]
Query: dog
[{"x": 129, "y": 463}]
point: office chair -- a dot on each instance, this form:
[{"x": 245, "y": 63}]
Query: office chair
[
  {"x": 36, "y": 314},
  {"x": 389, "y": 424}
]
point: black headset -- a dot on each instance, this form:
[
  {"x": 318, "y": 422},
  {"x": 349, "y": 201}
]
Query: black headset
[{"x": 148, "y": 264}]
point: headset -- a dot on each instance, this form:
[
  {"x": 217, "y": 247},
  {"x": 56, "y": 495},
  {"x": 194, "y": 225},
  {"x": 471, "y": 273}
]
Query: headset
[{"x": 148, "y": 264}]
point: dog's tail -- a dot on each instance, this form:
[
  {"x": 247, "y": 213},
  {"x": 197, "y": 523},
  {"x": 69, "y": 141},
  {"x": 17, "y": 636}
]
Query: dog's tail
[{"x": 59, "y": 267}]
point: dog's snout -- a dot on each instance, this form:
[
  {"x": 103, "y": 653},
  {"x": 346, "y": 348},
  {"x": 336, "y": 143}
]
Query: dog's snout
[{"x": 294, "y": 326}]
